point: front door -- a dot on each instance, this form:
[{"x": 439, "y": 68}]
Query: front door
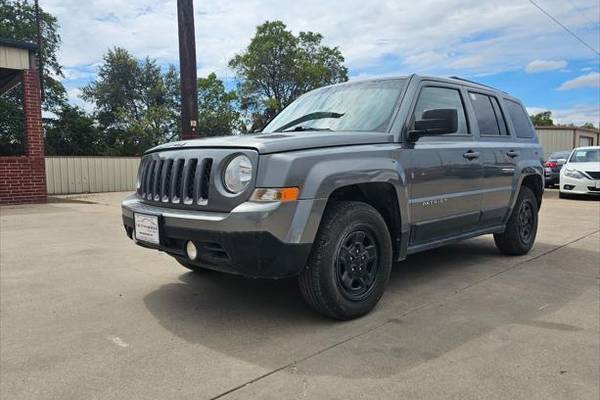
[{"x": 445, "y": 172}]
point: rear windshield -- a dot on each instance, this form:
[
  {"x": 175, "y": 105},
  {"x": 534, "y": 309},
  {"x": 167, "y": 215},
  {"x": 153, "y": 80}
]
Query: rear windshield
[{"x": 561, "y": 155}]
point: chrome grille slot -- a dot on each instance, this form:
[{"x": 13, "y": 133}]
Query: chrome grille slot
[{"x": 175, "y": 180}]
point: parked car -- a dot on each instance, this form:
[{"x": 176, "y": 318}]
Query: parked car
[
  {"x": 581, "y": 174},
  {"x": 344, "y": 181},
  {"x": 553, "y": 165}
]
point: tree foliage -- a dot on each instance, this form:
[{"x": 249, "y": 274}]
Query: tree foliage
[
  {"x": 278, "y": 66},
  {"x": 217, "y": 115},
  {"x": 12, "y": 124},
  {"x": 72, "y": 133},
  {"x": 137, "y": 106},
  {"x": 542, "y": 119}
]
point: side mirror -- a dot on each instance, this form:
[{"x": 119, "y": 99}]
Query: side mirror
[{"x": 441, "y": 121}]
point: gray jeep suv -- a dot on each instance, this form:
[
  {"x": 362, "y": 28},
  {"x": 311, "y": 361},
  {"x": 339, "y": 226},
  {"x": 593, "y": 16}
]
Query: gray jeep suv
[{"x": 344, "y": 181}]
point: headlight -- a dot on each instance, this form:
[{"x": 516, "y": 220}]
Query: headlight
[
  {"x": 238, "y": 174},
  {"x": 572, "y": 173}
]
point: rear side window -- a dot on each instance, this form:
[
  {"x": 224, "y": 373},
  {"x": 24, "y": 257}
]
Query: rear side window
[
  {"x": 432, "y": 98},
  {"x": 520, "y": 120},
  {"x": 488, "y": 115}
]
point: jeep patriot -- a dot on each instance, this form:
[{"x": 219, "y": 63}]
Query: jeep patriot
[{"x": 344, "y": 181}]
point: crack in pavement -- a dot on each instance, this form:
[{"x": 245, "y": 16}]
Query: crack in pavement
[{"x": 391, "y": 320}]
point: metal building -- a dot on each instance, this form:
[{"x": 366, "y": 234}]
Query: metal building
[{"x": 557, "y": 138}]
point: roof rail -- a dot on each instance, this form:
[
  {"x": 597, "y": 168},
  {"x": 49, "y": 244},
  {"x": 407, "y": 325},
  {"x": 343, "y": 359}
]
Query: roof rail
[{"x": 458, "y": 78}]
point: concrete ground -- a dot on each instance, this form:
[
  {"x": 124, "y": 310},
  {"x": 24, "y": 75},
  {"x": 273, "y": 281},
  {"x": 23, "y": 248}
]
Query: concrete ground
[{"x": 85, "y": 314}]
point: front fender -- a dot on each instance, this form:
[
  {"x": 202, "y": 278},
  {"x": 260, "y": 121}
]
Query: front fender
[{"x": 319, "y": 172}]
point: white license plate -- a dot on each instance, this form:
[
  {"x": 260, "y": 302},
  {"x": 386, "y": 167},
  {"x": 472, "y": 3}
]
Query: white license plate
[
  {"x": 146, "y": 228},
  {"x": 597, "y": 184}
]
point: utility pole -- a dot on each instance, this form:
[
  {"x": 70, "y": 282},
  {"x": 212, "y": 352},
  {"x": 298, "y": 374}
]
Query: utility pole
[
  {"x": 40, "y": 59},
  {"x": 187, "y": 69}
]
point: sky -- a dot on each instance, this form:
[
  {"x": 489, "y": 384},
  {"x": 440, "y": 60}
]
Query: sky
[{"x": 507, "y": 44}]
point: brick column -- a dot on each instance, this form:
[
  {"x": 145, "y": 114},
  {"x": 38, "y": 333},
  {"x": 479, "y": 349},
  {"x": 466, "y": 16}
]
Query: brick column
[{"x": 23, "y": 178}]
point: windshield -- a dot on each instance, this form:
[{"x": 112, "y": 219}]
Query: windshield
[
  {"x": 360, "y": 106},
  {"x": 587, "y": 155}
]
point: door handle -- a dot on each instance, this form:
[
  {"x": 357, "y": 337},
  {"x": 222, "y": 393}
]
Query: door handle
[
  {"x": 471, "y": 155},
  {"x": 512, "y": 153}
]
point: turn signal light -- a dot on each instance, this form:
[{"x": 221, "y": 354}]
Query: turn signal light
[{"x": 275, "y": 194}]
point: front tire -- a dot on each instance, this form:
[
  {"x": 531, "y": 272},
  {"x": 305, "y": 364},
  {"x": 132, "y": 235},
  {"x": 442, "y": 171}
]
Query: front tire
[
  {"x": 521, "y": 229},
  {"x": 350, "y": 263}
]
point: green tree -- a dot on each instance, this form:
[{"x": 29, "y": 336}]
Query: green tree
[
  {"x": 278, "y": 66},
  {"x": 542, "y": 119},
  {"x": 589, "y": 125},
  {"x": 136, "y": 104},
  {"x": 72, "y": 133},
  {"x": 217, "y": 114},
  {"x": 12, "y": 138},
  {"x": 17, "y": 21}
]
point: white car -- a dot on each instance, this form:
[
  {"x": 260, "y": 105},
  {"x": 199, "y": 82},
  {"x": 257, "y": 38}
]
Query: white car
[{"x": 581, "y": 173}]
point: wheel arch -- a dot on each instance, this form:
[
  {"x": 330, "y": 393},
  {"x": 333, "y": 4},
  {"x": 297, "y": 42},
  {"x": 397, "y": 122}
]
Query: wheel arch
[{"x": 384, "y": 198}]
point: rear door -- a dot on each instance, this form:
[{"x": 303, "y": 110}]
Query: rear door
[
  {"x": 498, "y": 156},
  {"x": 444, "y": 172}
]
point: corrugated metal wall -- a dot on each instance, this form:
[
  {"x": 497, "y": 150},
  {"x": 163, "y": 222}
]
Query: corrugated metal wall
[
  {"x": 68, "y": 175},
  {"x": 555, "y": 140}
]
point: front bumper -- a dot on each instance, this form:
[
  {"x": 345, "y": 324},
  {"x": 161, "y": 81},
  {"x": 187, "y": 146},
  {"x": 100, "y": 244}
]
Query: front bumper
[
  {"x": 263, "y": 240},
  {"x": 579, "y": 186}
]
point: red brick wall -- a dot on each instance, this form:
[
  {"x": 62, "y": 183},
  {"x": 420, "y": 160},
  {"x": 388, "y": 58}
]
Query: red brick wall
[{"x": 23, "y": 178}]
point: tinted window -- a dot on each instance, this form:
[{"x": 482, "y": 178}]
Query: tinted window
[
  {"x": 484, "y": 114},
  {"x": 559, "y": 155},
  {"x": 520, "y": 120},
  {"x": 432, "y": 98}
]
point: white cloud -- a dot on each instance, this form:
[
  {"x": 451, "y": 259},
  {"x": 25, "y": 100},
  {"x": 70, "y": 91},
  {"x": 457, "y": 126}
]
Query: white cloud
[
  {"x": 545, "y": 65},
  {"x": 589, "y": 80},
  {"x": 429, "y": 36},
  {"x": 577, "y": 115}
]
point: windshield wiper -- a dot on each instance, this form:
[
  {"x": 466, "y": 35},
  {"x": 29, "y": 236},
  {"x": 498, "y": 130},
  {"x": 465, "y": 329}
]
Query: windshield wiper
[
  {"x": 301, "y": 128},
  {"x": 309, "y": 117}
]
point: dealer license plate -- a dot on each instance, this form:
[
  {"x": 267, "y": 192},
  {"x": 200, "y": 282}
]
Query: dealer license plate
[{"x": 146, "y": 228}]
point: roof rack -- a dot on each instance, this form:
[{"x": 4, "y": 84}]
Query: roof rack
[{"x": 458, "y": 78}]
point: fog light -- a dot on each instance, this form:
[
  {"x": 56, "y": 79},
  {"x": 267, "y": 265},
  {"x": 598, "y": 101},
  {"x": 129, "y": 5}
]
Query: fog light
[{"x": 190, "y": 249}]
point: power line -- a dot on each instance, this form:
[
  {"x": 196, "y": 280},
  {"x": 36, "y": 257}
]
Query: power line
[{"x": 564, "y": 27}]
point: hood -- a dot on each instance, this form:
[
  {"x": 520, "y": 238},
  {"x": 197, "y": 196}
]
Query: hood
[
  {"x": 280, "y": 142},
  {"x": 592, "y": 166}
]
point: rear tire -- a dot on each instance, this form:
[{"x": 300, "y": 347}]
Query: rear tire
[
  {"x": 521, "y": 229},
  {"x": 350, "y": 262}
]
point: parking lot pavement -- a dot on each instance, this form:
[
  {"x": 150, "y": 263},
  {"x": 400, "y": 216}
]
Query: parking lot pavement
[{"x": 85, "y": 314}]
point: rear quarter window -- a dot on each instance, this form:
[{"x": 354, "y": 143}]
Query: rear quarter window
[{"x": 520, "y": 120}]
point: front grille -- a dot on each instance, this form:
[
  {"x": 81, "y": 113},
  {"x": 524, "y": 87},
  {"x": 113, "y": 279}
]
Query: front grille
[
  {"x": 593, "y": 174},
  {"x": 175, "y": 180}
]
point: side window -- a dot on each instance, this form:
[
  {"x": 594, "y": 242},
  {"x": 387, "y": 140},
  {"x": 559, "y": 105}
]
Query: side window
[
  {"x": 484, "y": 114},
  {"x": 432, "y": 98},
  {"x": 520, "y": 120}
]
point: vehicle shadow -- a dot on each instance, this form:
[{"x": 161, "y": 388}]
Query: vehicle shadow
[{"x": 265, "y": 322}]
